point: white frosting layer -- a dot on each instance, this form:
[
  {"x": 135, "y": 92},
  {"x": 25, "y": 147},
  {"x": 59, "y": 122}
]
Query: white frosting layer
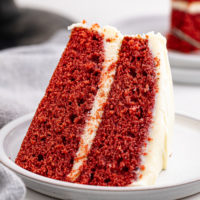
[
  {"x": 112, "y": 43},
  {"x": 158, "y": 149},
  {"x": 192, "y": 8},
  {"x": 163, "y": 114}
]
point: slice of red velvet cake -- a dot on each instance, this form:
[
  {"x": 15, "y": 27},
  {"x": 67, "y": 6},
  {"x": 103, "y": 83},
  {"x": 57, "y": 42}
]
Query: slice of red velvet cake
[
  {"x": 107, "y": 115},
  {"x": 185, "y": 26}
]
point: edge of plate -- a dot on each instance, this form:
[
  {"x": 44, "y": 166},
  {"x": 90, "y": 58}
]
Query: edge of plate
[{"x": 11, "y": 165}]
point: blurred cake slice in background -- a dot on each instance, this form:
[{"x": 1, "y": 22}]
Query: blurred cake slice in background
[{"x": 184, "y": 32}]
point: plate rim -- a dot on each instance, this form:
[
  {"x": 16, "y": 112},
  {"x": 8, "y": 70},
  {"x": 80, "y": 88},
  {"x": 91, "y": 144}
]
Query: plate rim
[{"x": 5, "y": 160}]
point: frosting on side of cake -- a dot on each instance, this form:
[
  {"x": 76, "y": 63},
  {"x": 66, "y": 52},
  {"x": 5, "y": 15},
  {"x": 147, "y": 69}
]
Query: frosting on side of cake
[
  {"x": 112, "y": 43},
  {"x": 158, "y": 148},
  {"x": 192, "y": 8}
]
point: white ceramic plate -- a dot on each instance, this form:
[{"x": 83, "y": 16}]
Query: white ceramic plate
[
  {"x": 185, "y": 67},
  {"x": 181, "y": 179}
]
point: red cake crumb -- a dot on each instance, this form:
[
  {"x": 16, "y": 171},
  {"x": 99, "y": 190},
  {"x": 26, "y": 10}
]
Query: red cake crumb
[
  {"x": 53, "y": 138},
  {"x": 188, "y": 24},
  {"x": 140, "y": 177},
  {"x": 115, "y": 155},
  {"x": 157, "y": 61}
]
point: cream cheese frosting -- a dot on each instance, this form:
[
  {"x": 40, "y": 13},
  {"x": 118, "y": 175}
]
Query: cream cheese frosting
[
  {"x": 158, "y": 148},
  {"x": 192, "y": 7}
]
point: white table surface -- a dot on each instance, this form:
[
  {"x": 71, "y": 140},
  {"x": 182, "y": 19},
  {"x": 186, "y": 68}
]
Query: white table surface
[{"x": 187, "y": 97}]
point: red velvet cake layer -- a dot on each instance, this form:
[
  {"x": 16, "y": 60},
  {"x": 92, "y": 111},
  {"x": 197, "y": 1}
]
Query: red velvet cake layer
[
  {"x": 116, "y": 151},
  {"x": 53, "y": 138},
  {"x": 188, "y": 24}
]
